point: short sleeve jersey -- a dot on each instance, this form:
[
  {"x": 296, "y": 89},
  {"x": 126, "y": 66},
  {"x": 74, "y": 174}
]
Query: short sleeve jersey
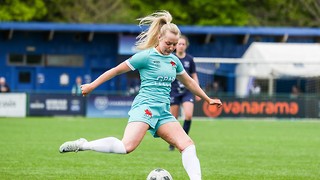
[
  {"x": 157, "y": 72},
  {"x": 190, "y": 68}
]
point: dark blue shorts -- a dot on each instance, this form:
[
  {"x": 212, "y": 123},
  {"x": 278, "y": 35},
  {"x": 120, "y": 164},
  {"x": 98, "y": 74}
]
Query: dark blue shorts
[{"x": 177, "y": 99}]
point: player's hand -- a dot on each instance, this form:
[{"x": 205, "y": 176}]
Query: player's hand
[
  {"x": 215, "y": 102},
  {"x": 86, "y": 89},
  {"x": 198, "y": 98}
]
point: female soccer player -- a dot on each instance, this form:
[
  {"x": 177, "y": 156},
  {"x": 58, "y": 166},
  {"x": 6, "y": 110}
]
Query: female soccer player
[
  {"x": 179, "y": 95},
  {"x": 150, "y": 110}
]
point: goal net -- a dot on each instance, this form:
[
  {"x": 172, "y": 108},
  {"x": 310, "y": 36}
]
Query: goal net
[
  {"x": 235, "y": 76},
  {"x": 290, "y": 86}
]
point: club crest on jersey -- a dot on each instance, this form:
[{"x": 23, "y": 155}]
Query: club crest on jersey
[
  {"x": 173, "y": 63},
  {"x": 148, "y": 113}
]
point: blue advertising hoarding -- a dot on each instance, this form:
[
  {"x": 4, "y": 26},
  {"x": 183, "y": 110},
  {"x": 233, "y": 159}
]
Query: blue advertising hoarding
[
  {"x": 108, "y": 106},
  {"x": 56, "y": 104}
]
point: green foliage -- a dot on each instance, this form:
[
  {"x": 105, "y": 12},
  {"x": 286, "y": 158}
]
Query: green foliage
[
  {"x": 227, "y": 149},
  {"x": 195, "y": 12},
  {"x": 22, "y": 10},
  {"x": 234, "y": 12},
  {"x": 89, "y": 11},
  {"x": 208, "y": 12},
  {"x": 283, "y": 13},
  {"x": 191, "y": 12}
]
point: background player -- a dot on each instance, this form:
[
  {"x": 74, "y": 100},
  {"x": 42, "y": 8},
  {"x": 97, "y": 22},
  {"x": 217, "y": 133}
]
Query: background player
[{"x": 179, "y": 94}]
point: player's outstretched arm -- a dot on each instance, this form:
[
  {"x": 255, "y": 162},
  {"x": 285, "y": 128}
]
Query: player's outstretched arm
[
  {"x": 120, "y": 69},
  {"x": 194, "y": 87}
]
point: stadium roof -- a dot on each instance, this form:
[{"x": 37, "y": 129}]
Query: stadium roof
[{"x": 127, "y": 28}]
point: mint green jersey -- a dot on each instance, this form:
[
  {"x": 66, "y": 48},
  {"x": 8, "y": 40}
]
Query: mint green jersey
[{"x": 157, "y": 72}]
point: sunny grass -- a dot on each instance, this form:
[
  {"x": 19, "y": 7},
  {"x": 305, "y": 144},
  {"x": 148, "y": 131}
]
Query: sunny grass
[{"x": 227, "y": 149}]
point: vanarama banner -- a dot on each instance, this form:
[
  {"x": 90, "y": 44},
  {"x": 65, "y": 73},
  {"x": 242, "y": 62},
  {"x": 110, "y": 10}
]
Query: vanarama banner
[{"x": 233, "y": 107}]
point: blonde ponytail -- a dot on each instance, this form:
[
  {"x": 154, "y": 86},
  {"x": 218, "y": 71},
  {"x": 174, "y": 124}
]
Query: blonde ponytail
[{"x": 159, "y": 23}]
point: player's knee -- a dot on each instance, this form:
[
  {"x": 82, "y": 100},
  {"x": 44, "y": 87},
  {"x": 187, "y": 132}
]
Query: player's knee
[
  {"x": 188, "y": 116},
  {"x": 184, "y": 144},
  {"x": 129, "y": 147}
]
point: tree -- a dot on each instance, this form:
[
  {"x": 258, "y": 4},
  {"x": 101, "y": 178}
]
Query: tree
[
  {"x": 282, "y": 13},
  {"x": 311, "y": 11},
  {"x": 192, "y": 12},
  {"x": 208, "y": 12},
  {"x": 196, "y": 12},
  {"x": 235, "y": 12},
  {"x": 22, "y": 10},
  {"x": 88, "y": 11}
]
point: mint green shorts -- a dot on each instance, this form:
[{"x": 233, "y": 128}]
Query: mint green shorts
[{"x": 155, "y": 115}]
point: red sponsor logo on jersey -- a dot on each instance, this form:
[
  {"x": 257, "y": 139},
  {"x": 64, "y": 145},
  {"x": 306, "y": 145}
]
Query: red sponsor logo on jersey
[
  {"x": 173, "y": 63},
  {"x": 148, "y": 112}
]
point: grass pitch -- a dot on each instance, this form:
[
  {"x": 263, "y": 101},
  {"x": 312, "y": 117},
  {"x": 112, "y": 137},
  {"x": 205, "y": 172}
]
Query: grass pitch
[{"x": 227, "y": 149}]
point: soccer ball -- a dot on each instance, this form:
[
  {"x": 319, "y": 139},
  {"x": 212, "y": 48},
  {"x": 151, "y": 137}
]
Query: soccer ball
[{"x": 159, "y": 174}]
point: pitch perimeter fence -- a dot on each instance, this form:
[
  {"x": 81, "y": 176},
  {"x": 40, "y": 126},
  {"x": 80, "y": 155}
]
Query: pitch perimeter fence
[{"x": 115, "y": 106}]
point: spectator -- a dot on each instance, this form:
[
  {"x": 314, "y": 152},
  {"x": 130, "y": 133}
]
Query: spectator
[
  {"x": 76, "y": 88},
  {"x": 3, "y": 85},
  {"x": 214, "y": 89},
  {"x": 295, "y": 91},
  {"x": 255, "y": 89}
]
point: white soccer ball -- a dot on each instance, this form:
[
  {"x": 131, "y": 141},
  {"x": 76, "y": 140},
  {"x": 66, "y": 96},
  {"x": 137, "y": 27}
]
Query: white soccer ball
[{"x": 159, "y": 174}]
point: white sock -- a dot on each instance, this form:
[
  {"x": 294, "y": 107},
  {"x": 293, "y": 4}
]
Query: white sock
[
  {"x": 105, "y": 145},
  {"x": 191, "y": 162}
]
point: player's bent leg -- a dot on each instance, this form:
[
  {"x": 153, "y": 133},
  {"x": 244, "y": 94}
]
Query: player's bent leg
[
  {"x": 105, "y": 145},
  {"x": 133, "y": 135},
  {"x": 174, "y": 110},
  {"x": 173, "y": 133},
  {"x": 191, "y": 162}
]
